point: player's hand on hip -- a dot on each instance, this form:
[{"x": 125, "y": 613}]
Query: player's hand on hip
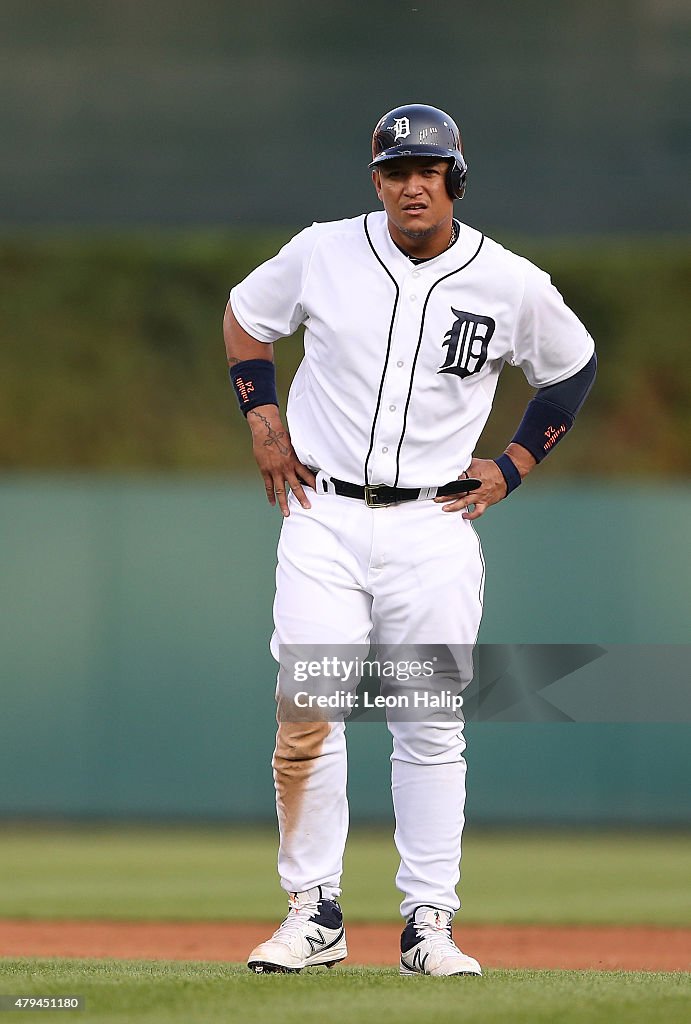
[
  {"x": 278, "y": 464},
  {"x": 493, "y": 490}
]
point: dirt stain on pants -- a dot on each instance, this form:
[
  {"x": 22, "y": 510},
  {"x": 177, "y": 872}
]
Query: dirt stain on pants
[{"x": 298, "y": 745}]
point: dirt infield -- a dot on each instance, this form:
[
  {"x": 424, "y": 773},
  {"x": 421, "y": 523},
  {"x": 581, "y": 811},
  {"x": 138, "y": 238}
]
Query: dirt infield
[{"x": 574, "y": 948}]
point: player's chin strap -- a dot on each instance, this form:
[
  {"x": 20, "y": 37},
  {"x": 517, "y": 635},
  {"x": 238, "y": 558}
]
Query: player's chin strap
[{"x": 383, "y": 495}]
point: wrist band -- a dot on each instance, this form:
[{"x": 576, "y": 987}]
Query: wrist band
[
  {"x": 509, "y": 472},
  {"x": 254, "y": 382}
]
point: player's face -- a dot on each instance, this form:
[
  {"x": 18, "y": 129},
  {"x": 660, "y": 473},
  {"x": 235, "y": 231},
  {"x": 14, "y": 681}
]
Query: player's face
[{"x": 417, "y": 204}]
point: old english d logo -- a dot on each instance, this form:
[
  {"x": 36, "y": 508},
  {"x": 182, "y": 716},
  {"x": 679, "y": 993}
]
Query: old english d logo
[{"x": 466, "y": 343}]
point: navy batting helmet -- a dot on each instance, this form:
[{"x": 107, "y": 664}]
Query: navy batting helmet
[{"x": 416, "y": 129}]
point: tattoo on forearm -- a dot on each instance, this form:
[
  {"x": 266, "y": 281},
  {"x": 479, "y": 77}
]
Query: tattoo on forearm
[{"x": 275, "y": 437}]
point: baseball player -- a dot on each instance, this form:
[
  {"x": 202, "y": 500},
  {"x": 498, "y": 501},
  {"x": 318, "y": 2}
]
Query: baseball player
[{"x": 409, "y": 317}]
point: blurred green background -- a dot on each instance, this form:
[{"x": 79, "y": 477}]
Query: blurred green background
[
  {"x": 152, "y": 155},
  {"x": 215, "y": 873},
  {"x": 573, "y": 113}
]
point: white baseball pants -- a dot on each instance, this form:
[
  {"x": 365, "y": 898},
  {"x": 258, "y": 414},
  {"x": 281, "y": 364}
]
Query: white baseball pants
[{"x": 348, "y": 574}]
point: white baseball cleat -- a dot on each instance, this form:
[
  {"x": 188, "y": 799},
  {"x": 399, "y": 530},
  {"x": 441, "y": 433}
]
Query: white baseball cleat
[
  {"x": 428, "y": 948},
  {"x": 311, "y": 935}
]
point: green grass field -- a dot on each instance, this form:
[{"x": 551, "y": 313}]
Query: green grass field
[
  {"x": 222, "y": 873},
  {"x": 168, "y": 993}
]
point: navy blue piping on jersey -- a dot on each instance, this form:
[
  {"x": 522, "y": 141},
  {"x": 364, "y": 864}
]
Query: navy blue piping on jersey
[
  {"x": 388, "y": 350},
  {"x": 482, "y": 579},
  {"x": 417, "y": 351}
]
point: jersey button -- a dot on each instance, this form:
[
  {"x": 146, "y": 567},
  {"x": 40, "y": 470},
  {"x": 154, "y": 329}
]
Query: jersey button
[
  {"x": 413, "y": 298},
  {"x": 392, "y": 408},
  {"x": 385, "y": 449},
  {"x": 399, "y": 363},
  {"x": 416, "y": 273}
]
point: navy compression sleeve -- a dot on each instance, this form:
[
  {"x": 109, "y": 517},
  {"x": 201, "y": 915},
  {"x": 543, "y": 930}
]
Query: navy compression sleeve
[{"x": 553, "y": 410}]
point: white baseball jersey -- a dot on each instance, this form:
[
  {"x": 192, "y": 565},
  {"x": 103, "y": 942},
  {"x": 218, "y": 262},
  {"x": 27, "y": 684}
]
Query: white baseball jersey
[{"x": 402, "y": 360}]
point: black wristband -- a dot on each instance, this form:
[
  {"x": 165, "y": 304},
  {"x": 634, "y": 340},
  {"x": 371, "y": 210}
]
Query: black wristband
[
  {"x": 254, "y": 382},
  {"x": 509, "y": 472}
]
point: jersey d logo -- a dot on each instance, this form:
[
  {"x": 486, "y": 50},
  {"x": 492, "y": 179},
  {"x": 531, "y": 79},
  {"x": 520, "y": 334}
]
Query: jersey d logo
[{"x": 466, "y": 343}]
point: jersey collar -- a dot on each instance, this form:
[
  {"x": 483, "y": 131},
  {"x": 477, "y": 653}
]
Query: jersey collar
[{"x": 399, "y": 264}]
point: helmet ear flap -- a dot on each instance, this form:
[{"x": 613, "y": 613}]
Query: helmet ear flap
[{"x": 455, "y": 179}]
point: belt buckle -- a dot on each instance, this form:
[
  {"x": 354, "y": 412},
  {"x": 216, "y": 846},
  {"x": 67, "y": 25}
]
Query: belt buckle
[{"x": 372, "y": 497}]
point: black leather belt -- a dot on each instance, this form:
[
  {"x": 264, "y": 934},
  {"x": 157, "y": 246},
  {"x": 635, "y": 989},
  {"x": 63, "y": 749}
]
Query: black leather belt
[{"x": 382, "y": 495}]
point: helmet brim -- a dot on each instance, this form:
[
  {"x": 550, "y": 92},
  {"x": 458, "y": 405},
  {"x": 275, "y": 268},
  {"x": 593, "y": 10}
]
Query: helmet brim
[{"x": 397, "y": 152}]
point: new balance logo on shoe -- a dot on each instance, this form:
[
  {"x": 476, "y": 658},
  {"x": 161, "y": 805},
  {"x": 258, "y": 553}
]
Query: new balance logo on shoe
[
  {"x": 428, "y": 948},
  {"x": 311, "y": 935},
  {"x": 419, "y": 960},
  {"x": 316, "y": 941}
]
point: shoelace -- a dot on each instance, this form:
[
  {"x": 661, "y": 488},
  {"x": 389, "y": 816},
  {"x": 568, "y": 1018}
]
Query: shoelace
[
  {"x": 295, "y": 921},
  {"x": 439, "y": 939}
]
